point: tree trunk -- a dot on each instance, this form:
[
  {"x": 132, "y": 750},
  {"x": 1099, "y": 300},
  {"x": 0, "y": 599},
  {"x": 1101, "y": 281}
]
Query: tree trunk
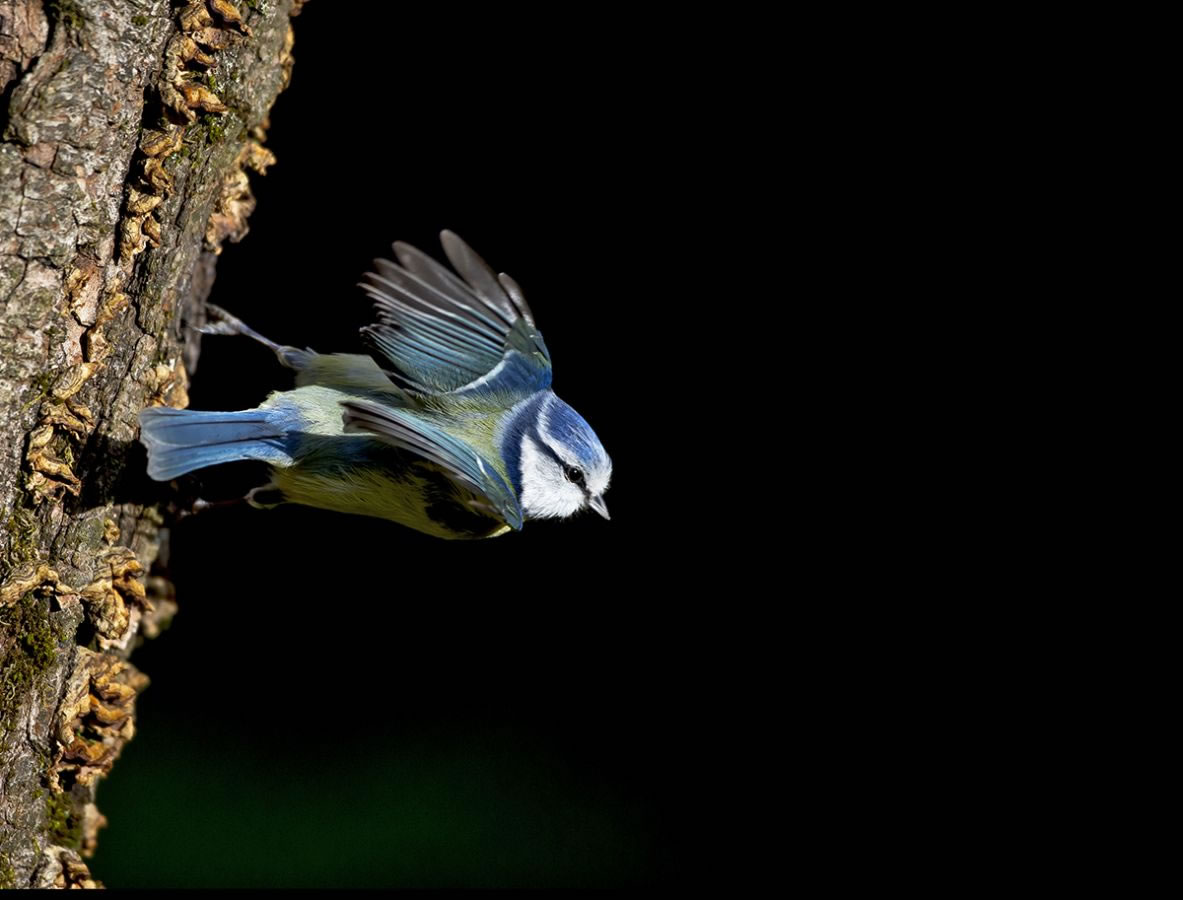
[{"x": 126, "y": 129}]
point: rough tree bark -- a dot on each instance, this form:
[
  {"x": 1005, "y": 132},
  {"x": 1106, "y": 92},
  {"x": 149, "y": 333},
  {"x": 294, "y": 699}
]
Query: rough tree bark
[{"x": 126, "y": 130}]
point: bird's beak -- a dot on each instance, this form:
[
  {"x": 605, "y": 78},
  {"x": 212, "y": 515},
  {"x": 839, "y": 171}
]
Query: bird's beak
[{"x": 598, "y": 504}]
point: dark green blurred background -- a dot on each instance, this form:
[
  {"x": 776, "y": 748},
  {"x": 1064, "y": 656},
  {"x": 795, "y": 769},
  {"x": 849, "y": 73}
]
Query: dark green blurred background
[
  {"x": 276, "y": 795},
  {"x": 341, "y": 702}
]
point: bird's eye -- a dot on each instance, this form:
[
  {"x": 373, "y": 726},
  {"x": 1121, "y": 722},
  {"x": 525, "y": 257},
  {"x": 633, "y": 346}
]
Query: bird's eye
[{"x": 573, "y": 474}]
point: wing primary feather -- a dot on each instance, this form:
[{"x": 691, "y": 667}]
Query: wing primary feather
[
  {"x": 418, "y": 326},
  {"x": 420, "y": 264},
  {"x": 516, "y": 295},
  {"x": 417, "y": 305},
  {"x": 398, "y": 312},
  {"x": 476, "y": 272},
  {"x": 421, "y": 292}
]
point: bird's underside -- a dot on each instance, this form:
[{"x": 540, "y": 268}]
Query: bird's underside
[{"x": 386, "y": 482}]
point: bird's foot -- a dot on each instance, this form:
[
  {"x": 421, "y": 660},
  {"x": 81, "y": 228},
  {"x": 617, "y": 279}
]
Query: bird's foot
[{"x": 267, "y": 496}]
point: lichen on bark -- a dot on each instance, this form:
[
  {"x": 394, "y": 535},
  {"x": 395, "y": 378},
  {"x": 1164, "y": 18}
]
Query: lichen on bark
[{"x": 126, "y": 129}]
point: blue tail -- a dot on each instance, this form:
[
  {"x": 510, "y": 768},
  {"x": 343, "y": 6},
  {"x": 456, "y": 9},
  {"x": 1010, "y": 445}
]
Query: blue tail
[{"x": 181, "y": 440}]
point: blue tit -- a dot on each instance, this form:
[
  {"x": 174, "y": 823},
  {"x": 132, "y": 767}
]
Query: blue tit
[{"x": 449, "y": 426}]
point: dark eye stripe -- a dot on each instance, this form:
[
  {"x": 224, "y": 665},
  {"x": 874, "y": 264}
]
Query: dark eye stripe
[
  {"x": 581, "y": 483},
  {"x": 545, "y": 447}
]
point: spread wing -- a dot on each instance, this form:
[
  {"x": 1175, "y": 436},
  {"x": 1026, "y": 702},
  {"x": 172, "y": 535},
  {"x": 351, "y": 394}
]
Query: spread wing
[
  {"x": 463, "y": 464},
  {"x": 446, "y": 335}
]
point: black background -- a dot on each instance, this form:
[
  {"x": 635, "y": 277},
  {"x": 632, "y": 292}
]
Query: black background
[{"x": 341, "y": 701}]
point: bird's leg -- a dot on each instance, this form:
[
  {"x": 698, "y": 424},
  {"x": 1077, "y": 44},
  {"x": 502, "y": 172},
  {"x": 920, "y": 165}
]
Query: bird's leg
[
  {"x": 266, "y": 496},
  {"x": 221, "y": 322}
]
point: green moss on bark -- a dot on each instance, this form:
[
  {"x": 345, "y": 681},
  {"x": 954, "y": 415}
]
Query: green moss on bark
[
  {"x": 64, "y": 827},
  {"x": 33, "y": 651}
]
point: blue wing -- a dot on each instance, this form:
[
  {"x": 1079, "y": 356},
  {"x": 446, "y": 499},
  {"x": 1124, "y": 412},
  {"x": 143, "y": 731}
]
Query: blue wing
[
  {"x": 445, "y": 335},
  {"x": 405, "y": 429}
]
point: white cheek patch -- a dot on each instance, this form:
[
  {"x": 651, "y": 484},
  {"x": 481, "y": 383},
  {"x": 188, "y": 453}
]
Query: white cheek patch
[{"x": 546, "y": 493}]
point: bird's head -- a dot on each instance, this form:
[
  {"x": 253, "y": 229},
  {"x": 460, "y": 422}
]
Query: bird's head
[{"x": 564, "y": 467}]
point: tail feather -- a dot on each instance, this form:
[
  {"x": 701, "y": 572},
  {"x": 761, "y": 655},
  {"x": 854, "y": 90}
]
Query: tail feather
[{"x": 181, "y": 440}]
